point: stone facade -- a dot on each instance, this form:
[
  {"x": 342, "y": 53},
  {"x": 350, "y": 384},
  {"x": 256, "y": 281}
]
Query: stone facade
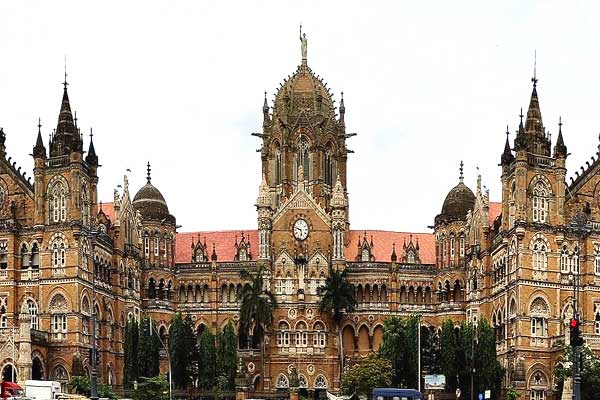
[{"x": 511, "y": 263}]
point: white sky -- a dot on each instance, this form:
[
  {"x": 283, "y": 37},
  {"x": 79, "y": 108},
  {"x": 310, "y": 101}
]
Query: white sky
[{"x": 180, "y": 83}]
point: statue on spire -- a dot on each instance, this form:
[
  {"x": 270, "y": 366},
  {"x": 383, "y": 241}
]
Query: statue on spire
[{"x": 303, "y": 45}]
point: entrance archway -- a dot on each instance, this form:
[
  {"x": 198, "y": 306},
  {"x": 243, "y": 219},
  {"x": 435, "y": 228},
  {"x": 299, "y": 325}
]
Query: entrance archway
[
  {"x": 37, "y": 369},
  {"x": 9, "y": 374}
]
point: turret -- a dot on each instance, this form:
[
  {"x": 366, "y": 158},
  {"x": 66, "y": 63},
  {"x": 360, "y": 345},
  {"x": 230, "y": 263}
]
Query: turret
[
  {"x": 39, "y": 150},
  {"x": 66, "y": 138},
  {"x": 560, "y": 150},
  {"x": 265, "y": 212}
]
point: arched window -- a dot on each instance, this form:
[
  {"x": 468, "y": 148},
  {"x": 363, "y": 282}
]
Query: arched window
[
  {"x": 320, "y": 382},
  {"x": 35, "y": 256},
  {"x": 33, "y": 312},
  {"x": 452, "y": 248},
  {"x": 25, "y": 259},
  {"x": 540, "y": 203},
  {"x": 278, "y": 166},
  {"x": 283, "y": 335},
  {"x": 539, "y": 313},
  {"x": 85, "y": 205},
  {"x": 58, "y": 203},
  {"x": 597, "y": 318},
  {"x": 58, "y": 308},
  {"x": 575, "y": 266},
  {"x": 564, "y": 259},
  {"x": 319, "y": 335},
  {"x": 597, "y": 258},
  {"x": 289, "y": 284},
  {"x": 540, "y": 257},
  {"x": 301, "y": 334},
  {"x": 282, "y": 382},
  {"x": 58, "y": 256}
]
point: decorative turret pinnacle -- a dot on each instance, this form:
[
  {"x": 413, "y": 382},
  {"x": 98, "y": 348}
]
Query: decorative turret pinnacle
[
  {"x": 266, "y": 117},
  {"x": 507, "y": 156},
  {"x": 264, "y": 198},
  {"x": 148, "y": 177},
  {"x": 461, "y": 178},
  {"x": 394, "y": 257},
  {"x": 342, "y": 109},
  {"x": 213, "y": 256},
  {"x": 91, "y": 158},
  {"x": 338, "y": 199},
  {"x": 39, "y": 150},
  {"x": 560, "y": 150}
]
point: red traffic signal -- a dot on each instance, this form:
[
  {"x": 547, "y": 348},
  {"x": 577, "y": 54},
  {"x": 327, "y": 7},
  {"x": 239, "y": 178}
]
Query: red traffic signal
[{"x": 576, "y": 338}]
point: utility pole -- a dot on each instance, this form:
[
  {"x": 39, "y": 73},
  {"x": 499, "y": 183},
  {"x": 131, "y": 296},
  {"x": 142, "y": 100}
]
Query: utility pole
[
  {"x": 94, "y": 383},
  {"x": 419, "y": 352}
]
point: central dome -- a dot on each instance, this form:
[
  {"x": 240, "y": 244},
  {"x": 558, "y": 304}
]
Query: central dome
[
  {"x": 304, "y": 93},
  {"x": 457, "y": 204},
  {"x": 150, "y": 202}
]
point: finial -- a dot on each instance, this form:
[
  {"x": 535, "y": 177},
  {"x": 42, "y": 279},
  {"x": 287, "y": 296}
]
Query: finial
[
  {"x": 148, "y": 175},
  {"x": 39, "y": 125},
  {"x": 521, "y": 115},
  {"x": 65, "y": 83},
  {"x": 507, "y": 132},
  {"x": 534, "y": 79},
  {"x": 75, "y": 117},
  {"x": 461, "y": 177},
  {"x": 91, "y": 133},
  {"x": 560, "y": 123}
]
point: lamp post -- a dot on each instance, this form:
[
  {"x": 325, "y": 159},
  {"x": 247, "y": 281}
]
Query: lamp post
[
  {"x": 94, "y": 384},
  {"x": 581, "y": 228}
]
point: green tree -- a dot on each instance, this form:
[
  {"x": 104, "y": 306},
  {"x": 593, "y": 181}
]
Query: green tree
[
  {"x": 489, "y": 371},
  {"x": 106, "y": 392},
  {"x": 430, "y": 350},
  {"x": 148, "y": 359},
  {"x": 374, "y": 371},
  {"x": 156, "y": 388},
  {"x": 257, "y": 304},
  {"x": 181, "y": 351},
  {"x": 81, "y": 385},
  {"x": 131, "y": 351},
  {"x": 590, "y": 371},
  {"x": 337, "y": 298},
  {"x": 227, "y": 356},
  {"x": 399, "y": 346},
  {"x": 448, "y": 354},
  {"x": 206, "y": 350},
  {"x": 464, "y": 358}
]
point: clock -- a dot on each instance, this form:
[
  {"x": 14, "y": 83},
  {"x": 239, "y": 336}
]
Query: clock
[{"x": 300, "y": 229}]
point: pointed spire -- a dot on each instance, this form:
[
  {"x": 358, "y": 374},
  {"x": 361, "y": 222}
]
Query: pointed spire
[
  {"x": 560, "y": 150},
  {"x": 213, "y": 256},
  {"x": 338, "y": 199},
  {"x": 461, "y": 177},
  {"x": 507, "y": 156},
  {"x": 39, "y": 151},
  {"x": 266, "y": 117},
  {"x": 66, "y": 138},
  {"x": 394, "y": 257},
  {"x": 91, "y": 158},
  {"x": 148, "y": 178},
  {"x": 342, "y": 109}
]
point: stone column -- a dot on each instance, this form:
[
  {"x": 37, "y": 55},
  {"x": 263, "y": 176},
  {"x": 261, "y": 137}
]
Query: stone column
[{"x": 24, "y": 361}]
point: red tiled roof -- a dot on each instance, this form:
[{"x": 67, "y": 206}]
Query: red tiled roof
[
  {"x": 224, "y": 244},
  {"x": 495, "y": 210},
  {"x": 109, "y": 210},
  {"x": 382, "y": 244},
  {"x": 383, "y": 241}
]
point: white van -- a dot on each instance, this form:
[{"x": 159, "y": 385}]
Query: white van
[{"x": 42, "y": 390}]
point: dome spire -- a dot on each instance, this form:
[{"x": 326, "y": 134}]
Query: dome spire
[
  {"x": 461, "y": 177},
  {"x": 148, "y": 169}
]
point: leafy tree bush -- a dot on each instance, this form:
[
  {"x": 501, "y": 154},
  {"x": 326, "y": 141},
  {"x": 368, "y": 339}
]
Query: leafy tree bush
[
  {"x": 156, "y": 388},
  {"x": 374, "y": 371}
]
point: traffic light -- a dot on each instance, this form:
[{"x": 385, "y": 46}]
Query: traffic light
[{"x": 576, "y": 338}]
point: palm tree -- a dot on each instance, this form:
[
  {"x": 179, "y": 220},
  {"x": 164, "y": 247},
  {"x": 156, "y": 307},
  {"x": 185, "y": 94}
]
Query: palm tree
[
  {"x": 337, "y": 298},
  {"x": 257, "y": 306}
]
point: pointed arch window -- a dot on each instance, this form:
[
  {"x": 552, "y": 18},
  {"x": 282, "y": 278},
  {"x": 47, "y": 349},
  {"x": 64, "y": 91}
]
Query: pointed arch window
[
  {"x": 35, "y": 256},
  {"x": 540, "y": 203},
  {"x": 85, "y": 205},
  {"x": 33, "y": 312},
  {"x": 452, "y": 247},
  {"x": 58, "y": 257},
  {"x": 540, "y": 256},
  {"x": 25, "y": 259},
  {"x": 58, "y": 203},
  {"x": 597, "y": 258},
  {"x": 303, "y": 158},
  {"x": 278, "y": 166},
  {"x": 564, "y": 259},
  {"x": 575, "y": 263}
]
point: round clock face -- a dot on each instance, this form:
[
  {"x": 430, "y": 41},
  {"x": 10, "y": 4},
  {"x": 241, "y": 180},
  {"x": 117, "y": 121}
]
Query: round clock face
[{"x": 300, "y": 229}]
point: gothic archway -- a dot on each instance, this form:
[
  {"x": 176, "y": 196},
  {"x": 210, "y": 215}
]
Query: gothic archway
[
  {"x": 37, "y": 369},
  {"x": 9, "y": 374}
]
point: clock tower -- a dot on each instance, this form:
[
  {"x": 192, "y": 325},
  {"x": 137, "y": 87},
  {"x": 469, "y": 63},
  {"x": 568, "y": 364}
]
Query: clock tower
[{"x": 302, "y": 207}]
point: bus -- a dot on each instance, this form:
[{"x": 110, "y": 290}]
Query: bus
[{"x": 396, "y": 394}]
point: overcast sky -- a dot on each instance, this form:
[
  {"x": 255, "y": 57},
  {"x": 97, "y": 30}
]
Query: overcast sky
[{"x": 180, "y": 83}]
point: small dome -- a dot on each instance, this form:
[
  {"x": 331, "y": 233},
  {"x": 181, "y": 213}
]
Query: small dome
[
  {"x": 457, "y": 204},
  {"x": 151, "y": 204}
]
